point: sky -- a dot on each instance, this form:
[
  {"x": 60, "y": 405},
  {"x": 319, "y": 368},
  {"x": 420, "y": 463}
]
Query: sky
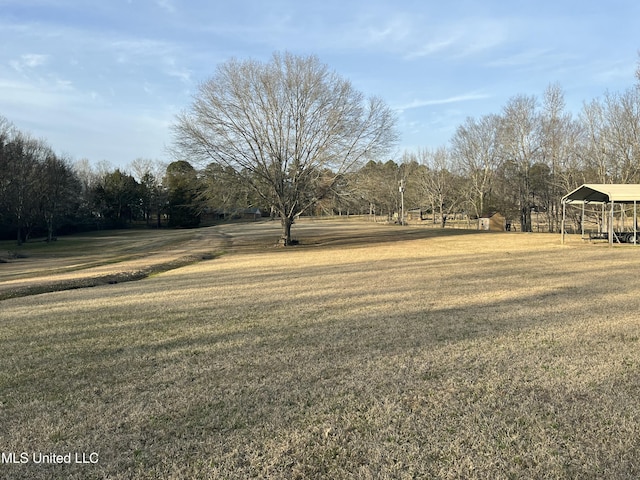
[{"x": 104, "y": 80}]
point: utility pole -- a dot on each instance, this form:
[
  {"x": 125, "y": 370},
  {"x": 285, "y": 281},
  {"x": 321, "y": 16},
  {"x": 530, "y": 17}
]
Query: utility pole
[{"x": 401, "y": 202}]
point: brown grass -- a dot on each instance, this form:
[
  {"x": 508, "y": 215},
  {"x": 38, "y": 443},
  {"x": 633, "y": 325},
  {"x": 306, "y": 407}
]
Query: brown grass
[
  {"x": 101, "y": 258},
  {"x": 432, "y": 356}
]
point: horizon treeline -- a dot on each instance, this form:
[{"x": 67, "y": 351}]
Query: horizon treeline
[{"x": 518, "y": 161}]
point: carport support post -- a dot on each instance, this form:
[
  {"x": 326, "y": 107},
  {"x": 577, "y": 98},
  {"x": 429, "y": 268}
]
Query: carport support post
[
  {"x": 635, "y": 221},
  {"x": 611, "y": 224},
  {"x": 564, "y": 211}
]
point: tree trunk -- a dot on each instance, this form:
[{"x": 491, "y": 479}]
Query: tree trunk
[
  {"x": 49, "y": 228},
  {"x": 285, "y": 238},
  {"x": 525, "y": 219}
]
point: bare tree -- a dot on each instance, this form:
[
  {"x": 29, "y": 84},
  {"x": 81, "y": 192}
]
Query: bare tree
[
  {"x": 597, "y": 165},
  {"x": 282, "y": 125},
  {"x": 58, "y": 190},
  {"x": 440, "y": 184},
  {"x": 475, "y": 149},
  {"x": 622, "y": 116},
  {"x": 561, "y": 140},
  {"x": 7, "y": 132},
  {"x": 377, "y": 185},
  {"x": 20, "y": 177},
  {"x": 613, "y": 137},
  {"x": 520, "y": 144}
]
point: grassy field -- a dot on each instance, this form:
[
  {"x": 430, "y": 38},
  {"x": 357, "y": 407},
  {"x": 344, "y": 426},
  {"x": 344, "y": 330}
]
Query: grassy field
[
  {"x": 367, "y": 352},
  {"x": 100, "y": 258}
]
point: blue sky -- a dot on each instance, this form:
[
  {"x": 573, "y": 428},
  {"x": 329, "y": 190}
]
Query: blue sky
[{"x": 104, "y": 80}]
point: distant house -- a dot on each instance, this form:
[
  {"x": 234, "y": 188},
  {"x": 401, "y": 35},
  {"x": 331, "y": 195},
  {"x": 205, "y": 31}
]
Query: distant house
[
  {"x": 494, "y": 222},
  {"x": 252, "y": 214}
]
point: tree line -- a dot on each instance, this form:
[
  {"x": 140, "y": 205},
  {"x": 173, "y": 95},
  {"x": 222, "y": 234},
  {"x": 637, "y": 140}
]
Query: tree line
[
  {"x": 44, "y": 194},
  {"x": 304, "y": 141},
  {"x": 522, "y": 160},
  {"x": 290, "y": 137}
]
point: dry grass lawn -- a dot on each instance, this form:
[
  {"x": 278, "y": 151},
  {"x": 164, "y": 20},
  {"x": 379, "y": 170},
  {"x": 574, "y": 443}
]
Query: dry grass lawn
[
  {"x": 422, "y": 355},
  {"x": 100, "y": 258}
]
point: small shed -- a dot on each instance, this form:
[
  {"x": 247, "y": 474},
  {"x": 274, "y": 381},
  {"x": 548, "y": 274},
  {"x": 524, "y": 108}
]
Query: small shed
[
  {"x": 494, "y": 222},
  {"x": 252, "y": 214},
  {"x": 415, "y": 214},
  {"x": 607, "y": 195}
]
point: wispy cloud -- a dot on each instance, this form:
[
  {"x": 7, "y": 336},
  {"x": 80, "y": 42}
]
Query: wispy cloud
[
  {"x": 136, "y": 48},
  {"x": 437, "y": 63},
  {"x": 28, "y": 61},
  {"x": 431, "y": 48},
  {"x": 34, "y": 60},
  {"x": 166, "y": 5},
  {"x": 522, "y": 58},
  {"x": 392, "y": 31},
  {"x": 483, "y": 35},
  {"x": 442, "y": 101},
  {"x": 173, "y": 69},
  {"x": 414, "y": 35},
  {"x": 607, "y": 73}
]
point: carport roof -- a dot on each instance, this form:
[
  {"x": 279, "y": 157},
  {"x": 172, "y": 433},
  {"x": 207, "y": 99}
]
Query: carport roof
[{"x": 604, "y": 193}]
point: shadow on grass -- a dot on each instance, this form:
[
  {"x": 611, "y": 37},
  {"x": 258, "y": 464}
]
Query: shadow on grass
[
  {"x": 110, "y": 279},
  {"x": 435, "y": 393},
  {"x": 250, "y": 237},
  {"x": 365, "y": 234}
]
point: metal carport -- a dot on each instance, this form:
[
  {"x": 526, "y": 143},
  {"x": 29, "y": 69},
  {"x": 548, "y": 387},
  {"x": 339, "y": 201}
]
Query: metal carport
[{"x": 604, "y": 194}]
